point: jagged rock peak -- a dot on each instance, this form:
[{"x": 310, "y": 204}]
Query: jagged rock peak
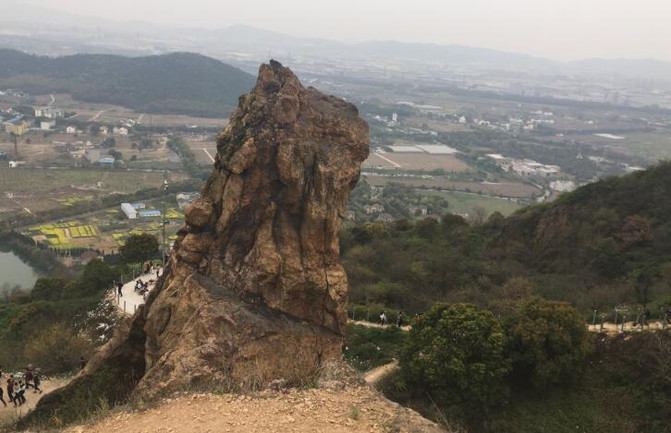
[
  {"x": 269, "y": 219},
  {"x": 253, "y": 290}
]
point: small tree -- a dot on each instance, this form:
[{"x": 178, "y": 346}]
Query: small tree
[
  {"x": 456, "y": 353},
  {"x": 547, "y": 341},
  {"x": 139, "y": 248},
  {"x": 56, "y": 349}
]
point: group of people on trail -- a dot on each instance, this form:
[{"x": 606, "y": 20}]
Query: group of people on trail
[
  {"x": 400, "y": 319},
  {"x": 141, "y": 287},
  {"x": 17, "y": 386}
]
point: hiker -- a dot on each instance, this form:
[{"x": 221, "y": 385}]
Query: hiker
[
  {"x": 644, "y": 317},
  {"x": 399, "y": 319},
  {"x": 119, "y": 286},
  {"x": 19, "y": 392},
  {"x": 383, "y": 318},
  {"x": 666, "y": 318},
  {"x": 36, "y": 381},
  {"x": 158, "y": 270},
  {"x": 2, "y": 394},
  {"x": 10, "y": 388},
  {"x": 82, "y": 363},
  {"x": 28, "y": 376}
]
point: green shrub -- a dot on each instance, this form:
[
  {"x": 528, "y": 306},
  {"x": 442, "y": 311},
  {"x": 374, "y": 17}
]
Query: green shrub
[
  {"x": 547, "y": 341},
  {"x": 456, "y": 353}
]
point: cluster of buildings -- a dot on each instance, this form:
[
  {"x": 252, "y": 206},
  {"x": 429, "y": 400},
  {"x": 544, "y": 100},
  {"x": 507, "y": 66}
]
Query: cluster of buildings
[
  {"x": 525, "y": 167},
  {"x": 139, "y": 209}
]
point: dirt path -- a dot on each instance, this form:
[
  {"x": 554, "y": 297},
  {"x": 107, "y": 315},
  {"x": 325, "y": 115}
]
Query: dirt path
[
  {"x": 353, "y": 409},
  {"x": 131, "y": 300},
  {"x": 11, "y": 413},
  {"x": 375, "y": 375},
  {"x": 610, "y": 328}
]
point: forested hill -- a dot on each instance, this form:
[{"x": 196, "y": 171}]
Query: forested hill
[
  {"x": 611, "y": 228},
  {"x": 605, "y": 244},
  {"x": 181, "y": 83}
]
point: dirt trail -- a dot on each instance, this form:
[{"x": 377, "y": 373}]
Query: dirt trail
[
  {"x": 609, "y": 328},
  {"x": 11, "y": 413},
  {"x": 352, "y": 409}
]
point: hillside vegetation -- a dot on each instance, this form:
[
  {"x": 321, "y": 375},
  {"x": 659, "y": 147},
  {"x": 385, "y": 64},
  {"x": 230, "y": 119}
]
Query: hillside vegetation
[
  {"x": 181, "y": 83},
  {"x": 607, "y": 244},
  {"x": 486, "y": 353}
]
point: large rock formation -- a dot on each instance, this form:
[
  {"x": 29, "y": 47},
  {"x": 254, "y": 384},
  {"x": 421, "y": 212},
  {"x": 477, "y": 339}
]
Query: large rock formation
[{"x": 254, "y": 290}]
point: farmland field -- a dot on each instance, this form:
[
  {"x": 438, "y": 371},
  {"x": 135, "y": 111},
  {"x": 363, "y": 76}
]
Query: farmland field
[
  {"x": 200, "y": 155},
  {"x": 504, "y": 189},
  {"x": 416, "y": 161},
  {"x": 33, "y": 180},
  {"x": 464, "y": 202}
]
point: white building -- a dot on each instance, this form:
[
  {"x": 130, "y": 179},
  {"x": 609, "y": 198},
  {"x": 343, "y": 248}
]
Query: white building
[
  {"x": 71, "y": 130},
  {"x": 48, "y": 113},
  {"x": 129, "y": 210},
  {"x": 47, "y": 125},
  {"x": 120, "y": 131}
]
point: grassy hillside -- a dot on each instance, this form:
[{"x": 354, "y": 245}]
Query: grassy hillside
[
  {"x": 605, "y": 244},
  {"x": 173, "y": 83}
]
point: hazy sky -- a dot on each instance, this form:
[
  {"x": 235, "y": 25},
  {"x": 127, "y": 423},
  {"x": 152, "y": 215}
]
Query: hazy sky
[{"x": 560, "y": 29}]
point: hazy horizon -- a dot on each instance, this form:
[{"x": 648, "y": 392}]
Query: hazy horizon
[{"x": 570, "y": 30}]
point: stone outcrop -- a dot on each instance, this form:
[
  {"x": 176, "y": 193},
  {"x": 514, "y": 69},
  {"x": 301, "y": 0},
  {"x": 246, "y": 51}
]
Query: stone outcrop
[{"x": 254, "y": 290}]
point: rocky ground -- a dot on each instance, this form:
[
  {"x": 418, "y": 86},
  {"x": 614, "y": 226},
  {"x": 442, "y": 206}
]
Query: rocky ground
[{"x": 355, "y": 408}]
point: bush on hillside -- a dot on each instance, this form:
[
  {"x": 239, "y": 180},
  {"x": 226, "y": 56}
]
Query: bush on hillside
[
  {"x": 547, "y": 341},
  {"x": 456, "y": 354}
]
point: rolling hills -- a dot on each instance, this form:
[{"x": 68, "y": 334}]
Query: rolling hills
[{"x": 180, "y": 83}]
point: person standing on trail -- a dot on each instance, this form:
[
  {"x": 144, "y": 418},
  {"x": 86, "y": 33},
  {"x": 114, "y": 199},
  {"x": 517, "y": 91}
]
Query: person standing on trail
[
  {"x": 19, "y": 392},
  {"x": 36, "y": 381},
  {"x": 400, "y": 319},
  {"x": 10, "y": 389},
  {"x": 119, "y": 286},
  {"x": 666, "y": 317},
  {"x": 82, "y": 363},
  {"x": 644, "y": 317},
  {"x": 28, "y": 377},
  {"x": 383, "y": 318}
]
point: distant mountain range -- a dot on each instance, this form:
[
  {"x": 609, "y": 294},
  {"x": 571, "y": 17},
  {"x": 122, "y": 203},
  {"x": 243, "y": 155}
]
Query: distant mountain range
[
  {"x": 182, "y": 83},
  {"x": 36, "y": 29}
]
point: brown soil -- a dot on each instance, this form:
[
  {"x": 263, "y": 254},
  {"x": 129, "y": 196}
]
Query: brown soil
[{"x": 352, "y": 409}]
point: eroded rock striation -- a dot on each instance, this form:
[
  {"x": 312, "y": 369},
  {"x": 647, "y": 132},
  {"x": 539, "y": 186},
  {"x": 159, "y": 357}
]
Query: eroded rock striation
[{"x": 254, "y": 290}]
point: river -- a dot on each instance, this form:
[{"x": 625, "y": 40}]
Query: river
[{"x": 13, "y": 271}]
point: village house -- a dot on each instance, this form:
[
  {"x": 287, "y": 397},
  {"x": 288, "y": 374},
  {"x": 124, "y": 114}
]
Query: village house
[
  {"x": 70, "y": 130},
  {"x": 373, "y": 208},
  {"x": 47, "y": 125},
  {"x": 384, "y": 218},
  {"x": 16, "y": 126},
  {"x": 418, "y": 210},
  {"x": 120, "y": 131}
]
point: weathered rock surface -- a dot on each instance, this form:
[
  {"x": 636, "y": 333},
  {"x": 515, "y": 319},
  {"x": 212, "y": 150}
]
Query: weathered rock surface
[{"x": 254, "y": 290}]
